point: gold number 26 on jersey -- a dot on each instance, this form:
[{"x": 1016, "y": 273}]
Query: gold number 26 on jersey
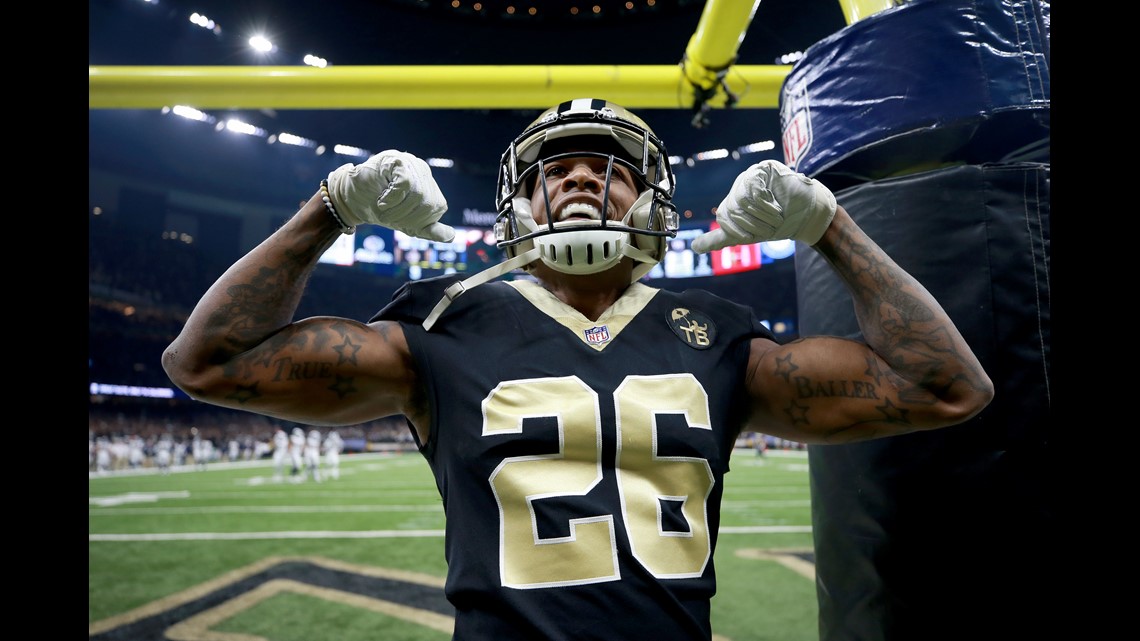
[{"x": 644, "y": 479}]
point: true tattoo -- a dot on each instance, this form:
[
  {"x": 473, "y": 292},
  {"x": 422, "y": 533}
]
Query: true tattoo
[{"x": 287, "y": 370}]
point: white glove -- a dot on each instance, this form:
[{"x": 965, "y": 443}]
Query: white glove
[
  {"x": 769, "y": 201},
  {"x": 394, "y": 189}
]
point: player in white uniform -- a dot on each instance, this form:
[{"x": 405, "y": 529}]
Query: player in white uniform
[
  {"x": 312, "y": 456},
  {"x": 296, "y": 444},
  {"x": 280, "y": 454},
  {"x": 163, "y": 454},
  {"x": 136, "y": 451},
  {"x": 103, "y": 455},
  {"x": 198, "y": 449},
  {"x": 333, "y": 445}
]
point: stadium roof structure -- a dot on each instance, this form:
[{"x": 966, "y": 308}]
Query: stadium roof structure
[{"x": 453, "y": 79}]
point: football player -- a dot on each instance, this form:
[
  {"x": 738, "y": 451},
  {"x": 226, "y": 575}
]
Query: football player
[{"x": 578, "y": 421}]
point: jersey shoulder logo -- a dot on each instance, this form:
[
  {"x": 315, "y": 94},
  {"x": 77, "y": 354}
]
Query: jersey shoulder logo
[{"x": 693, "y": 327}]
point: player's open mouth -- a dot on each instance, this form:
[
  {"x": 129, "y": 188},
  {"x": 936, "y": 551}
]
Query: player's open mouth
[{"x": 574, "y": 212}]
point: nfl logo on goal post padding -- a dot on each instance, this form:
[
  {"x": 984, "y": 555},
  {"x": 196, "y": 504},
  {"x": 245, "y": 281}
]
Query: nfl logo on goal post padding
[{"x": 796, "y": 119}]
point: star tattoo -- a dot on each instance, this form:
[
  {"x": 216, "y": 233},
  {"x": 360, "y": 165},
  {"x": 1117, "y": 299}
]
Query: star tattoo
[
  {"x": 343, "y": 386},
  {"x": 347, "y": 351},
  {"x": 785, "y": 367}
]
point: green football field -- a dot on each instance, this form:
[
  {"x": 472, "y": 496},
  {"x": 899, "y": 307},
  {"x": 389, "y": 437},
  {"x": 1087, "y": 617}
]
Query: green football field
[{"x": 227, "y": 554}]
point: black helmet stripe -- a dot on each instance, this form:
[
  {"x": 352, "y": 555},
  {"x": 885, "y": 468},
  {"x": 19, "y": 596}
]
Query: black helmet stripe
[{"x": 581, "y": 103}]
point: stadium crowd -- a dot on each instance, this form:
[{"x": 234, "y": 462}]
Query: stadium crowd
[
  {"x": 140, "y": 291},
  {"x": 125, "y": 438}
]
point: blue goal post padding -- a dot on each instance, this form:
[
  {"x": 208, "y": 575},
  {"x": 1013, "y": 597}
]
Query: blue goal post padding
[{"x": 918, "y": 86}]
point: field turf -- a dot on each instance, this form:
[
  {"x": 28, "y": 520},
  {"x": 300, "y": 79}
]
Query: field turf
[{"x": 228, "y": 554}]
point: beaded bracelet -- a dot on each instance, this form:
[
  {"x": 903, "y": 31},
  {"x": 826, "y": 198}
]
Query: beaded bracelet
[{"x": 344, "y": 229}]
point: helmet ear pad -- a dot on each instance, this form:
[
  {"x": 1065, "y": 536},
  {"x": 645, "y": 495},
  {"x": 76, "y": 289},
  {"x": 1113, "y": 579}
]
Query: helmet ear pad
[
  {"x": 524, "y": 217},
  {"x": 638, "y": 217}
]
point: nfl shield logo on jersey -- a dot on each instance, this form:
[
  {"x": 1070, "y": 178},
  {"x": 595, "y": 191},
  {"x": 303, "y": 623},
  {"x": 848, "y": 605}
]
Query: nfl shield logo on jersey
[{"x": 598, "y": 335}]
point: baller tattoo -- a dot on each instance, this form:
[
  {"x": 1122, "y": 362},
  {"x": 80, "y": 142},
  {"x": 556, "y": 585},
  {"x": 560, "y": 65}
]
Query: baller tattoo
[{"x": 806, "y": 388}]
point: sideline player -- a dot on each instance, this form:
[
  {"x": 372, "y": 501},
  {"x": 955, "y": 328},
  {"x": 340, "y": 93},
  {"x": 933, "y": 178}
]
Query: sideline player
[{"x": 333, "y": 445}]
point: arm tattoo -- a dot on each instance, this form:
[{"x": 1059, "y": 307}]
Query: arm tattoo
[
  {"x": 899, "y": 320},
  {"x": 324, "y": 346}
]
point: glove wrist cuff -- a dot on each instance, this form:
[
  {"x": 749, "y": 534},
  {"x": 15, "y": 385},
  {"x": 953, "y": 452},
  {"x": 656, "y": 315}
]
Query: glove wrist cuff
[
  {"x": 345, "y": 228},
  {"x": 824, "y": 212}
]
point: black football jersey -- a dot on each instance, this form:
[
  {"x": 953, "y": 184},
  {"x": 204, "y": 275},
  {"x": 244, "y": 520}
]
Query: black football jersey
[{"x": 580, "y": 462}]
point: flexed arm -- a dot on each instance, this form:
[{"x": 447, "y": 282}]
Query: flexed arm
[
  {"x": 240, "y": 347},
  {"x": 913, "y": 370}
]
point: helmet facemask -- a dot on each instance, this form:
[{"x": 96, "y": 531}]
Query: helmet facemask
[
  {"x": 579, "y": 246},
  {"x": 587, "y": 246}
]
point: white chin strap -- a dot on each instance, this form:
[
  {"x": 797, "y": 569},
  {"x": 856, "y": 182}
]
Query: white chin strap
[
  {"x": 588, "y": 251},
  {"x": 491, "y": 273},
  {"x": 592, "y": 249}
]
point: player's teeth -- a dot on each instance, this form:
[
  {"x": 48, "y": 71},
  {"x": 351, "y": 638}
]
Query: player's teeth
[{"x": 580, "y": 208}]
